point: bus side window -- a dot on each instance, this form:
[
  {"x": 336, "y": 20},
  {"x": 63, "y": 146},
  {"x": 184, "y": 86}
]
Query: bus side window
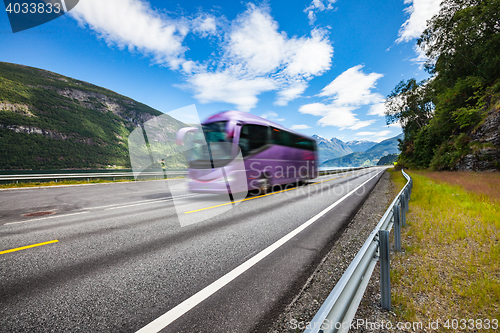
[
  {"x": 275, "y": 136},
  {"x": 281, "y": 137},
  {"x": 252, "y": 137},
  {"x": 303, "y": 143}
]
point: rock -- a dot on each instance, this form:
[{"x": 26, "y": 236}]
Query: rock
[{"x": 486, "y": 136}]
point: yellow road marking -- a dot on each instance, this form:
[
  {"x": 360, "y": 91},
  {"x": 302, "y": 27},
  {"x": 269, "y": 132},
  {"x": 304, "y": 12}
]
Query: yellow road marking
[
  {"x": 230, "y": 203},
  {"x": 260, "y": 196},
  {"x": 28, "y": 246}
]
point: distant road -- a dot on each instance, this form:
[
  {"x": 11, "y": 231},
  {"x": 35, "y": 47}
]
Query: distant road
[{"x": 114, "y": 258}]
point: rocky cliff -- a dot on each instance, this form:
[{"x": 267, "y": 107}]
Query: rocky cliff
[{"x": 485, "y": 143}]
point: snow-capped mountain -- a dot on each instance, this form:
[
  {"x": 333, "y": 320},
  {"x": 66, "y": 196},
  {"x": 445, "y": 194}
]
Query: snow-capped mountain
[
  {"x": 360, "y": 145},
  {"x": 329, "y": 149}
]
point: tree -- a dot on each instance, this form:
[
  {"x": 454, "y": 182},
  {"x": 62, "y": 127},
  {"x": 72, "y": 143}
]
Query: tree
[
  {"x": 410, "y": 103},
  {"x": 463, "y": 40},
  {"x": 437, "y": 115}
]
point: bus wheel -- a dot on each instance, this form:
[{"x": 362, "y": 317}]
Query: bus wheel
[{"x": 265, "y": 185}]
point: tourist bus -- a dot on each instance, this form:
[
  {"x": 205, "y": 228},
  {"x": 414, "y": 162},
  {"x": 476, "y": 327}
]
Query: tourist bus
[{"x": 237, "y": 151}]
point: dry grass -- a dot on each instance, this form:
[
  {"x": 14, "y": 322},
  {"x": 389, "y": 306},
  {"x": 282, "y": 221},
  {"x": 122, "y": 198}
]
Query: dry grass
[
  {"x": 450, "y": 269},
  {"x": 481, "y": 183}
]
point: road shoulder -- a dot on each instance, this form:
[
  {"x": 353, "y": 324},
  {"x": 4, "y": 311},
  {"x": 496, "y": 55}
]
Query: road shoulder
[{"x": 317, "y": 288}]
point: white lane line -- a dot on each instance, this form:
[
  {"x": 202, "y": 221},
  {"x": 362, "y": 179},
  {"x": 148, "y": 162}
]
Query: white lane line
[
  {"x": 179, "y": 310},
  {"x": 46, "y": 218},
  {"x": 137, "y": 202},
  {"x": 92, "y": 208}
]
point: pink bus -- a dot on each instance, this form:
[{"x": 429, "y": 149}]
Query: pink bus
[{"x": 237, "y": 151}]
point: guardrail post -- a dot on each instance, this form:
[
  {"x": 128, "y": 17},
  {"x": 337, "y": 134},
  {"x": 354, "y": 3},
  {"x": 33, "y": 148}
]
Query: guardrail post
[
  {"x": 407, "y": 198},
  {"x": 402, "y": 201},
  {"x": 402, "y": 209},
  {"x": 385, "y": 276},
  {"x": 397, "y": 229}
]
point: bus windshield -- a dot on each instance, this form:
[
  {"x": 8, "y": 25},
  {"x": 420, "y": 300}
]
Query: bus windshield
[{"x": 217, "y": 150}]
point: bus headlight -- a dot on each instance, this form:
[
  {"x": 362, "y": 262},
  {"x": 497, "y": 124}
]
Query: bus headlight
[{"x": 230, "y": 179}]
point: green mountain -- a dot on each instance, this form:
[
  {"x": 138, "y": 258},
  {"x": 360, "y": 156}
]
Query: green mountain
[
  {"x": 49, "y": 121},
  {"x": 367, "y": 158},
  {"x": 388, "y": 159},
  {"x": 386, "y": 147}
]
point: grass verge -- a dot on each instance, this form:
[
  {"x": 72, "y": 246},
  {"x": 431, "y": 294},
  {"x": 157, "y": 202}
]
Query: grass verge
[
  {"x": 451, "y": 265},
  {"x": 62, "y": 182}
]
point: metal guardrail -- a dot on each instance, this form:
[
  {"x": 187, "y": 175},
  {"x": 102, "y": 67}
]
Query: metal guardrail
[
  {"x": 129, "y": 174},
  {"x": 88, "y": 175},
  {"x": 339, "y": 170},
  {"x": 338, "y": 310}
]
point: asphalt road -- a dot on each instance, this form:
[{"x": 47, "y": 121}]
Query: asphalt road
[{"x": 118, "y": 259}]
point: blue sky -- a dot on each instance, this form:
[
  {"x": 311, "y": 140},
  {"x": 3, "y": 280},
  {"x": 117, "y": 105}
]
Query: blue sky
[{"x": 321, "y": 67}]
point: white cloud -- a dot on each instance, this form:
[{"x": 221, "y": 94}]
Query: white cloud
[
  {"x": 257, "y": 57},
  {"x": 256, "y": 43},
  {"x": 361, "y": 124},
  {"x": 254, "y": 56},
  {"x": 299, "y": 127},
  {"x": 421, "y": 58},
  {"x": 377, "y": 110},
  {"x": 308, "y": 56},
  {"x": 271, "y": 115},
  {"x": 379, "y": 134},
  {"x": 383, "y": 133},
  {"x": 420, "y": 11},
  {"x": 318, "y": 5},
  {"x": 288, "y": 94},
  {"x": 205, "y": 25},
  {"x": 268, "y": 115},
  {"x": 353, "y": 87},
  {"x": 224, "y": 87},
  {"x": 134, "y": 25},
  {"x": 346, "y": 93},
  {"x": 332, "y": 115},
  {"x": 375, "y": 136},
  {"x": 397, "y": 124}
]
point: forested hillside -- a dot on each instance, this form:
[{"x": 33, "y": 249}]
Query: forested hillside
[
  {"x": 49, "y": 121},
  {"x": 452, "y": 120}
]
